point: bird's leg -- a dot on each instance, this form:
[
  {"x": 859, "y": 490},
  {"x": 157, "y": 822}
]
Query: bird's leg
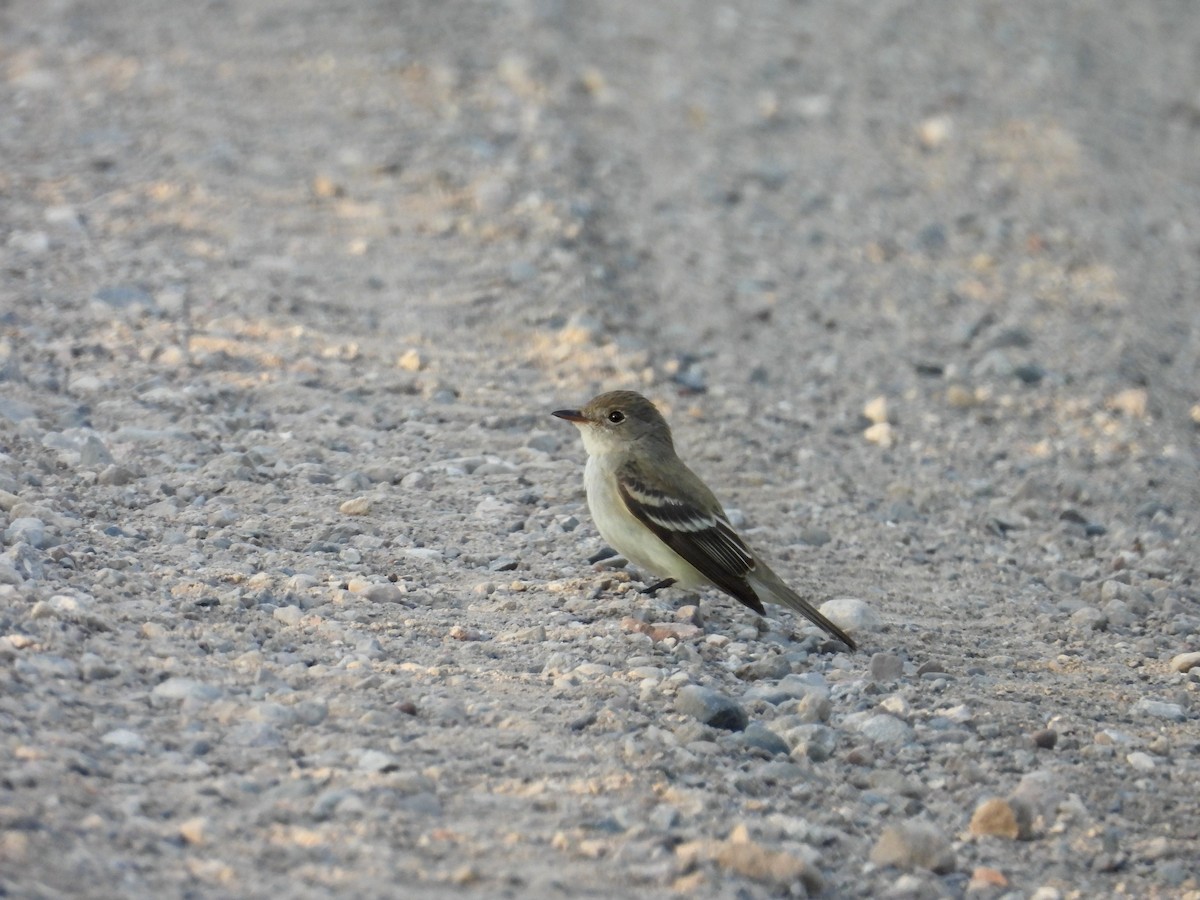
[{"x": 658, "y": 586}]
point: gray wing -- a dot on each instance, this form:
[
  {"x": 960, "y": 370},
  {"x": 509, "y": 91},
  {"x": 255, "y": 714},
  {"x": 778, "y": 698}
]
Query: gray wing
[{"x": 705, "y": 539}]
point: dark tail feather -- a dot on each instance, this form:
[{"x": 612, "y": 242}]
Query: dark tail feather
[{"x": 774, "y": 590}]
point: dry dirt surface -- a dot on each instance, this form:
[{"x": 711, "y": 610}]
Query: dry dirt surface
[{"x": 296, "y": 585}]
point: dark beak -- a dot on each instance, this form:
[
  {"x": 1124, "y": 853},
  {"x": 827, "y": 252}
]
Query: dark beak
[{"x": 571, "y": 415}]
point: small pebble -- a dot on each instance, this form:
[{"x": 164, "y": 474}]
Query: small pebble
[
  {"x": 288, "y": 615},
  {"x": 761, "y": 738},
  {"x": 115, "y": 476},
  {"x": 915, "y": 844},
  {"x": 886, "y": 667},
  {"x": 375, "y": 761},
  {"x": 885, "y": 729},
  {"x": 711, "y": 708},
  {"x": 1045, "y": 738},
  {"x": 933, "y": 132},
  {"x": 1183, "y": 662},
  {"x": 995, "y": 817},
  {"x": 882, "y": 434},
  {"x": 359, "y": 506},
  {"x": 27, "y": 529},
  {"x": 1088, "y": 618},
  {"x": 383, "y": 592},
  {"x": 983, "y": 878},
  {"x": 1140, "y": 761},
  {"x": 185, "y": 689},
  {"x": 876, "y": 410},
  {"x": 195, "y": 830},
  {"x": 851, "y": 614},
  {"x": 124, "y": 739},
  {"x": 411, "y": 361},
  {"x": 1159, "y": 709}
]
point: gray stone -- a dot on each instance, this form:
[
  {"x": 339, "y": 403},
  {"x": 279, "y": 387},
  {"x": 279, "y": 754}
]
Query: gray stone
[
  {"x": 329, "y": 803},
  {"x": 16, "y": 411},
  {"x": 1118, "y": 614},
  {"x": 816, "y": 742},
  {"x": 254, "y": 734},
  {"x": 288, "y": 615},
  {"x": 1159, "y": 709},
  {"x": 94, "y": 668},
  {"x": 768, "y": 667},
  {"x": 884, "y": 729},
  {"x": 10, "y": 575},
  {"x": 384, "y": 592},
  {"x": 543, "y": 442},
  {"x": 851, "y": 614},
  {"x": 759, "y": 737},
  {"x": 815, "y": 537},
  {"x": 663, "y": 817},
  {"x": 124, "y": 739},
  {"x": 179, "y": 688},
  {"x": 92, "y": 452},
  {"x": 41, "y": 666},
  {"x": 790, "y": 687},
  {"x": 1088, "y": 618},
  {"x": 115, "y": 476},
  {"x": 124, "y": 296},
  {"x": 711, "y": 708},
  {"x": 25, "y": 560},
  {"x": 27, "y": 529},
  {"x": 915, "y": 844},
  {"x": 886, "y": 667},
  {"x": 375, "y": 761}
]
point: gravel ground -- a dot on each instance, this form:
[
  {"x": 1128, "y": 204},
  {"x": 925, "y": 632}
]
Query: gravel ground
[{"x": 296, "y": 595}]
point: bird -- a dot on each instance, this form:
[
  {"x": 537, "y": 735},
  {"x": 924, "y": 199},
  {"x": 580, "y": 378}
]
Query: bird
[{"x": 657, "y": 513}]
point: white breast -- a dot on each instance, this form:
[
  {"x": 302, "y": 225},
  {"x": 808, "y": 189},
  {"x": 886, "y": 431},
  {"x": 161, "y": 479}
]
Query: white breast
[{"x": 628, "y": 536}]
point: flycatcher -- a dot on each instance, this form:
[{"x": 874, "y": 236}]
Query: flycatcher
[{"x": 655, "y": 511}]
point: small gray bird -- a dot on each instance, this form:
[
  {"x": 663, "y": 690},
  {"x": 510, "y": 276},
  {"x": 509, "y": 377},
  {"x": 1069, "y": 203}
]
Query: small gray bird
[{"x": 655, "y": 511}]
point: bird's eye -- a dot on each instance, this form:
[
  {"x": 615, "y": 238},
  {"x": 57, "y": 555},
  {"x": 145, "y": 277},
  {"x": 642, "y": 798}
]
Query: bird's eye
[{"x": 616, "y": 417}]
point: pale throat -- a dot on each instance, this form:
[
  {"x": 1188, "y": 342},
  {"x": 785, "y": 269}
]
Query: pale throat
[{"x": 622, "y": 530}]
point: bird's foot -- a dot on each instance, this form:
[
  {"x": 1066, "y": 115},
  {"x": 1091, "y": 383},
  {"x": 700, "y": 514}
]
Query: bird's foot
[{"x": 658, "y": 586}]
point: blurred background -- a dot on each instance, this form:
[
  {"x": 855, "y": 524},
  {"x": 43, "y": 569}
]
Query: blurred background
[{"x": 290, "y": 287}]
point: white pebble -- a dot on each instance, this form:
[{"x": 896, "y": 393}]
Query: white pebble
[
  {"x": 1141, "y": 761},
  {"x": 288, "y": 615},
  {"x": 124, "y": 739}
]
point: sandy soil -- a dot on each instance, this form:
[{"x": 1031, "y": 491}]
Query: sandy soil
[{"x": 295, "y": 592}]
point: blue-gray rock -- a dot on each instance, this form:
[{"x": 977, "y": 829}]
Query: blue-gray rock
[
  {"x": 254, "y": 734},
  {"x": 711, "y": 708},
  {"x": 26, "y": 561},
  {"x": 122, "y": 296},
  {"x": 886, "y": 667},
  {"x": 375, "y": 761},
  {"x": 93, "y": 452},
  {"x": 759, "y": 737},
  {"x": 1159, "y": 709},
  {"x": 790, "y": 687},
  {"x": 883, "y": 728},
  {"x": 124, "y": 739},
  {"x": 26, "y": 529},
  {"x": 914, "y": 844},
  {"x": 817, "y": 742},
  {"x": 179, "y": 688},
  {"x": 16, "y": 411}
]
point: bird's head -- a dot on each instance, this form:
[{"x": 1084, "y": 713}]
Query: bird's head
[{"x": 616, "y": 420}]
